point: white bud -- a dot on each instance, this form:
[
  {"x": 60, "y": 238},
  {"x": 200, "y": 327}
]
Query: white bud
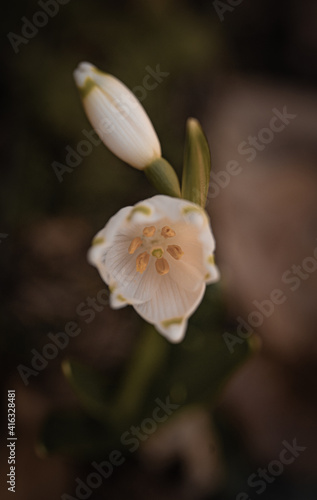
[{"x": 117, "y": 116}]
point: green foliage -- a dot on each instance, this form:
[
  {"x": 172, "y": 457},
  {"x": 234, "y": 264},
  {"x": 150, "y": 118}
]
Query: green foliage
[
  {"x": 192, "y": 372},
  {"x": 197, "y": 164}
]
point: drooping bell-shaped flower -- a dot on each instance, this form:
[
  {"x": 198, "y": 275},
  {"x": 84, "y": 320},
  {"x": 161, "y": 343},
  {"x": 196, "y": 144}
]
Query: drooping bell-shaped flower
[{"x": 158, "y": 257}]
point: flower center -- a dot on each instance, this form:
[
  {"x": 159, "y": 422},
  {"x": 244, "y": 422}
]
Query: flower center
[{"x": 155, "y": 247}]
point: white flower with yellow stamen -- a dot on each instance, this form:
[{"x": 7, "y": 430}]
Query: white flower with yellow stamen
[
  {"x": 158, "y": 257},
  {"x": 117, "y": 116}
]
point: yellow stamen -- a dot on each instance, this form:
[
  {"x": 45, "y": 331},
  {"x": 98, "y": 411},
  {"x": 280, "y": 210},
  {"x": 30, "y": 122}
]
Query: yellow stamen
[
  {"x": 175, "y": 251},
  {"x": 142, "y": 261},
  {"x": 167, "y": 232},
  {"x": 157, "y": 252},
  {"x": 135, "y": 243},
  {"x": 149, "y": 231},
  {"x": 162, "y": 266}
]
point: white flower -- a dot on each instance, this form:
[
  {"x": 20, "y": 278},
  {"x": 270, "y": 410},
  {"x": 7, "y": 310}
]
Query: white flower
[
  {"x": 158, "y": 257},
  {"x": 117, "y": 116}
]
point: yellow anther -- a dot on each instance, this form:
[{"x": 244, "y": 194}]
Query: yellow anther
[
  {"x": 162, "y": 266},
  {"x": 135, "y": 243},
  {"x": 142, "y": 261},
  {"x": 149, "y": 231},
  {"x": 157, "y": 252},
  {"x": 167, "y": 232},
  {"x": 175, "y": 251}
]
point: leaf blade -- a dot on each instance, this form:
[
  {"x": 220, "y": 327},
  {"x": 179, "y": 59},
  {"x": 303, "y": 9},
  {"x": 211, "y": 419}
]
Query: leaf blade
[{"x": 197, "y": 164}]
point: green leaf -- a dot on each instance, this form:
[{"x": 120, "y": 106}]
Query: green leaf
[
  {"x": 118, "y": 402},
  {"x": 197, "y": 164},
  {"x": 163, "y": 177},
  {"x": 196, "y": 370},
  {"x": 193, "y": 372},
  {"x": 92, "y": 388},
  {"x": 144, "y": 367}
]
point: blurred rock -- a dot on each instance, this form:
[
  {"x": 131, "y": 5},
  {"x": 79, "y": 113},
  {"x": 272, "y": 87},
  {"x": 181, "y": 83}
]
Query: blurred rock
[
  {"x": 190, "y": 439},
  {"x": 265, "y": 221},
  {"x": 265, "y": 218}
]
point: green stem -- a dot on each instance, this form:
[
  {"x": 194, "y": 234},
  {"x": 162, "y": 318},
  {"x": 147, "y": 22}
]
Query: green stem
[
  {"x": 149, "y": 355},
  {"x": 163, "y": 177}
]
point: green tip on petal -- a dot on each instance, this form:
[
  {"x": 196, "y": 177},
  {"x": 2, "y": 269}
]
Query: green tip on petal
[
  {"x": 191, "y": 209},
  {"x": 211, "y": 260},
  {"x": 84, "y": 76},
  {"x": 88, "y": 86},
  {"x": 98, "y": 241},
  {"x": 142, "y": 209},
  {"x": 170, "y": 322},
  {"x": 121, "y": 298}
]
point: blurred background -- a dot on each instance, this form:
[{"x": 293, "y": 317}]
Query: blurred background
[{"x": 241, "y": 393}]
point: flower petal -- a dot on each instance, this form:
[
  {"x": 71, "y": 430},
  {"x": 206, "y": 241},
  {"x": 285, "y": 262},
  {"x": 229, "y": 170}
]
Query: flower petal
[
  {"x": 142, "y": 213},
  {"x": 195, "y": 215},
  {"x": 171, "y": 305},
  {"x": 190, "y": 270},
  {"x": 174, "y": 330},
  {"x": 212, "y": 275},
  {"x": 134, "y": 286},
  {"x": 198, "y": 244},
  {"x": 105, "y": 238},
  {"x": 185, "y": 274},
  {"x": 117, "y": 301},
  {"x": 169, "y": 207}
]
